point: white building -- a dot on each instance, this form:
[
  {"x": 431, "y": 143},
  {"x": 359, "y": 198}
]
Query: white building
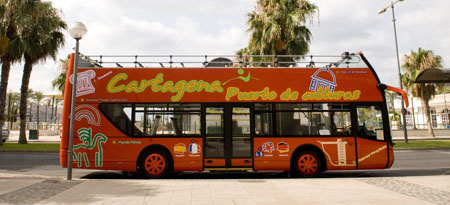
[{"x": 439, "y": 110}]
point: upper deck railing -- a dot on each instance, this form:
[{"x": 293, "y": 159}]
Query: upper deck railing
[{"x": 346, "y": 60}]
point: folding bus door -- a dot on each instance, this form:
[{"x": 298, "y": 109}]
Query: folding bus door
[{"x": 228, "y": 138}]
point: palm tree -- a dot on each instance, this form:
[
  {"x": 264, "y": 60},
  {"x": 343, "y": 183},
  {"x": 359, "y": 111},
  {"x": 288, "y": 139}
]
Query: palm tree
[
  {"x": 12, "y": 108},
  {"x": 10, "y": 22},
  {"x": 278, "y": 28},
  {"x": 416, "y": 62},
  {"x": 40, "y": 39},
  {"x": 60, "y": 81}
]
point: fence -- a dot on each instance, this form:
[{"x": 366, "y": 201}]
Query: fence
[{"x": 33, "y": 126}]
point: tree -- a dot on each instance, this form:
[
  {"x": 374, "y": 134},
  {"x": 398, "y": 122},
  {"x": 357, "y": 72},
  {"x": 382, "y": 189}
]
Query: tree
[
  {"x": 60, "y": 81},
  {"x": 12, "y": 108},
  {"x": 11, "y": 21},
  {"x": 278, "y": 28},
  {"x": 442, "y": 88},
  {"x": 408, "y": 82},
  {"x": 416, "y": 62},
  {"x": 40, "y": 39}
]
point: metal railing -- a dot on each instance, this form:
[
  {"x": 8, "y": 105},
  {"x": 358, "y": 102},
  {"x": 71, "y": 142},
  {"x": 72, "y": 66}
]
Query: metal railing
[
  {"x": 346, "y": 60},
  {"x": 33, "y": 126}
]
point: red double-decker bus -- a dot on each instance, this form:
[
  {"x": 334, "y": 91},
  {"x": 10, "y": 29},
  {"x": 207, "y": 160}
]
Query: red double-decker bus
[{"x": 159, "y": 114}]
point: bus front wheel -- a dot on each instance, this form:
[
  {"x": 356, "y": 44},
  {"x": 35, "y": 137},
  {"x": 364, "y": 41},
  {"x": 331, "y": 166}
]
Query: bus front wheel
[
  {"x": 154, "y": 164},
  {"x": 307, "y": 164}
]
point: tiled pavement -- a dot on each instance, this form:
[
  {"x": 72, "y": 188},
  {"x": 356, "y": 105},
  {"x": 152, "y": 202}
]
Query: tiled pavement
[{"x": 27, "y": 189}]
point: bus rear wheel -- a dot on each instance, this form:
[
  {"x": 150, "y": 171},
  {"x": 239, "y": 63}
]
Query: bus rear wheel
[
  {"x": 154, "y": 164},
  {"x": 307, "y": 164}
]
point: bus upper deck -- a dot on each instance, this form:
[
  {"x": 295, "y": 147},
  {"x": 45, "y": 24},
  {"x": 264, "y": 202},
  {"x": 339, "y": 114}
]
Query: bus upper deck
[{"x": 266, "y": 78}]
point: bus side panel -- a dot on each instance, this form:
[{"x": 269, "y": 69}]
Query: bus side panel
[
  {"x": 122, "y": 153},
  {"x": 98, "y": 144},
  {"x": 276, "y": 153},
  {"x": 94, "y": 136},
  {"x": 187, "y": 153},
  {"x": 66, "y": 114},
  {"x": 372, "y": 154},
  {"x": 391, "y": 156}
]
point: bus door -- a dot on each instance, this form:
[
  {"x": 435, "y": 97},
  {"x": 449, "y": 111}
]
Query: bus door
[
  {"x": 372, "y": 143},
  {"x": 228, "y": 137}
]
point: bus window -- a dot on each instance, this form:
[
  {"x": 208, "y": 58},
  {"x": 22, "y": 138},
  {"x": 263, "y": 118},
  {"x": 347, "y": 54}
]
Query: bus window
[
  {"x": 241, "y": 121},
  {"x": 241, "y": 132},
  {"x": 263, "y": 123},
  {"x": 214, "y": 121},
  {"x": 214, "y": 132},
  {"x": 155, "y": 119},
  {"x": 370, "y": 122},
  {"x": 340, "y": 123},
  {"x": 263, "y": 119},
  {"x": 139, "y": 123},
  {"x": 304, "y": 120},
  {"x": 119, "y": 115},
  {"x": 173, "y": 119}
]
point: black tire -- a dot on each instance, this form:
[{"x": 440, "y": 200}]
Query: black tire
[
  {"x": 307, "y": 164},
  {"x": 155, "y": 164}
]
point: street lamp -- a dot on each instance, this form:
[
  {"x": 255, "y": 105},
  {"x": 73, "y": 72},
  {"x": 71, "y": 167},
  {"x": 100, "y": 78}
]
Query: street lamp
[
  {"x": 77, "y": 31},
  {"x": 403, "y": 111}
]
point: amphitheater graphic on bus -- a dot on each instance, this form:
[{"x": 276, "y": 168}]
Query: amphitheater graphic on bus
[
  {"x": 341, "y": 152},
  {"x": 323, "y": 78},
  {"x": 84, "y": 82}
]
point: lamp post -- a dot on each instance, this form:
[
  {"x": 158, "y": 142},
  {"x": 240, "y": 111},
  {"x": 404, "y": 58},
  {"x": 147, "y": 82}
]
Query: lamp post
[
  {"x": 77, "y": 31},
  {"x": 403, "y": 111}
]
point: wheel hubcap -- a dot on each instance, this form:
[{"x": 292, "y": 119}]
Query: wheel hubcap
[
  {"x": 307, "y": 164},
  {"x": 155, "y": 164}
]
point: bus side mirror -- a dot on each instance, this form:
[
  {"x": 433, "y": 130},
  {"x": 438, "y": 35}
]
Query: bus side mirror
[{"x": 397, "y": 90}]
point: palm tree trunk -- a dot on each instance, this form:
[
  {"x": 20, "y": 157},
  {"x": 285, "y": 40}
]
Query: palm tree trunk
[
  {"x": 413, "y": 115},
  {"x": 23, "y": 100},
  {"x": 428, "y": 118},
  {"x": 8, "y": 111},
  {"x": 6, "y": 66}
]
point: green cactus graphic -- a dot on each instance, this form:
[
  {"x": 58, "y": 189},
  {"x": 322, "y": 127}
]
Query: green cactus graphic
[{"x": 89, "y": 143}]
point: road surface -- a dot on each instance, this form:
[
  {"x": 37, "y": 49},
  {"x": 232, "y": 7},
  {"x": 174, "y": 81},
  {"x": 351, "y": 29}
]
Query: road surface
[{"x": 407, "y": 163}]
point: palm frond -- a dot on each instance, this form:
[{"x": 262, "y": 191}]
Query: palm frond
[{"x": 278, "y": 27}]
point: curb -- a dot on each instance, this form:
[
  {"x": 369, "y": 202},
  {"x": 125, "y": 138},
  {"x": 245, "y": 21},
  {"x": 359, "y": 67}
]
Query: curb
[
  {"x": 422, "y": 148},
  {"x": 29, "y": 151},
  {"x": 418, "y": 139},
  {"x": 35, "y": 142}
]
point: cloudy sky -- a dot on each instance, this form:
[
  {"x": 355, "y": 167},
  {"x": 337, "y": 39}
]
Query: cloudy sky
[{"x": 219, "y": 27}]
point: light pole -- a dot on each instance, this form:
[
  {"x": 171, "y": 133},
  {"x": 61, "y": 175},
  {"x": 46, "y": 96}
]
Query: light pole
[
  {"x": 403, "y": 111},
  {"x": 77, "y": 31}
]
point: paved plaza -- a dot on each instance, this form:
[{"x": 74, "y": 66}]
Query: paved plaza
[
  {"x": 26, "y": 188},
  {"x": 47, "y": 185}
]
